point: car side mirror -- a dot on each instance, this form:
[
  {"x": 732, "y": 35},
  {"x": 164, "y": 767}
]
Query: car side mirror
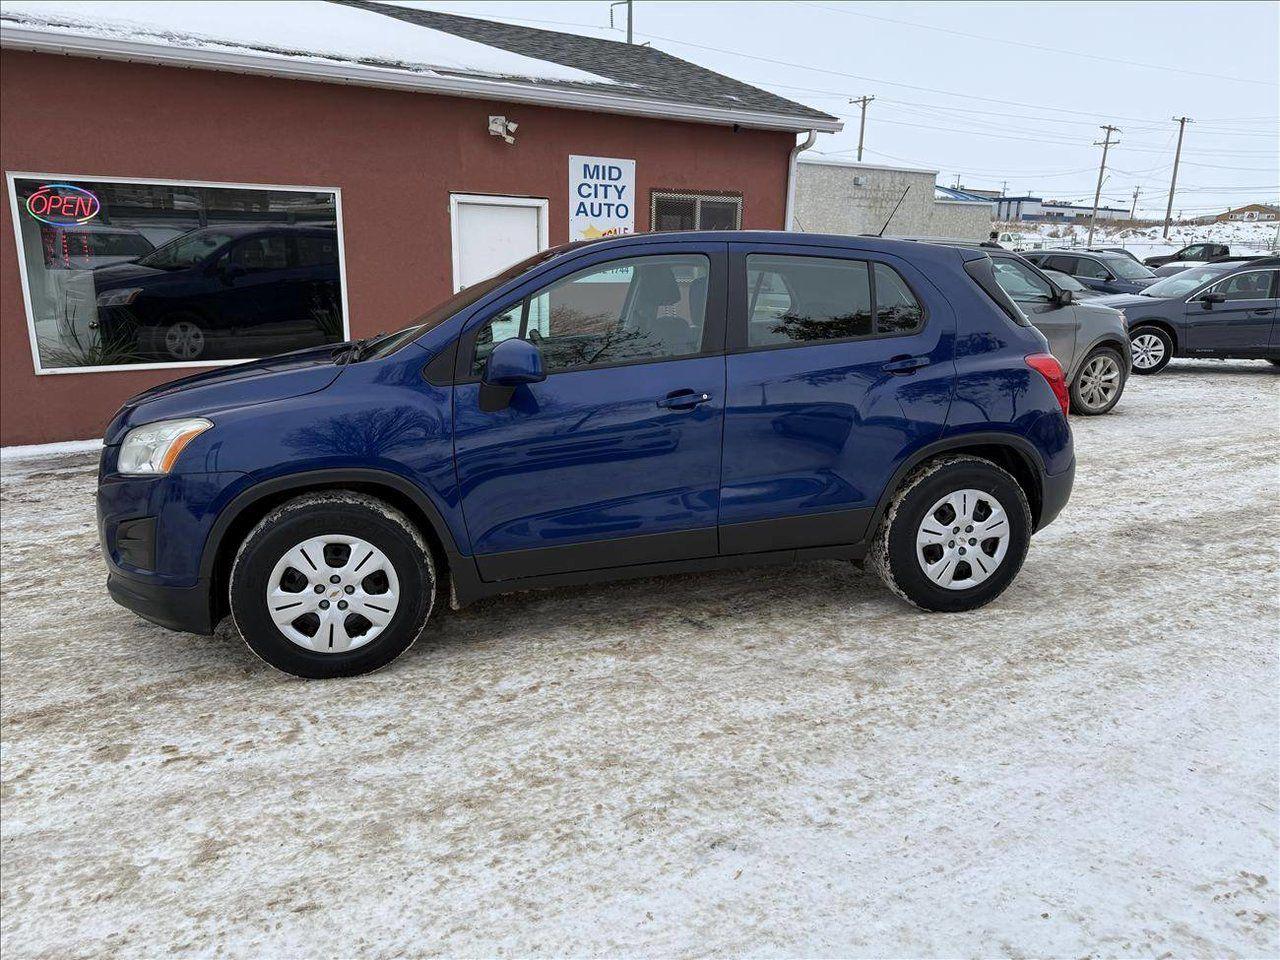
[
  {"x": 1209, "y": 299},
  {"x": 1065, "y": 297},
  {"x": 229, "y": 271},
  {"x": 512, "y": 363}
]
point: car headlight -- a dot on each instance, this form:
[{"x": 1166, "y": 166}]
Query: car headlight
[
  {"x": 119, "y": 297},
  {"x": 154, "y": 447}
]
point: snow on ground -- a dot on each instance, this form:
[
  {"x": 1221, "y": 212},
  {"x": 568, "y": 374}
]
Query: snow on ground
[
  {"x": 1242, "y": 238},
  {"x": 776, "y": 763},
  {"x": 307, "y": 29}
]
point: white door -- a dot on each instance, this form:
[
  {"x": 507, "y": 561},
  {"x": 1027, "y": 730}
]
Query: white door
[{"x": 492, "y": 233}]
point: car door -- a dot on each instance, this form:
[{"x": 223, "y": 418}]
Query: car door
[
  {"x": 838, "y": 362},
  {"x": 1035, "y": 296},
  {"x": 614, "y": 459},
  {"x": 1239, "y": 325},
  {"x": 253, "y": 287}
]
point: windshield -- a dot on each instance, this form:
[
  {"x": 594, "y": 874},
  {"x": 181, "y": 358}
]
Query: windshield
[
  {"x": 186, "y": 250},
  {"x": 464, "y": 298},
  {"x": 1065, "y": 281},
  {"x": 1186, "y": 281},
  {"x": 1126, "y": 268}
]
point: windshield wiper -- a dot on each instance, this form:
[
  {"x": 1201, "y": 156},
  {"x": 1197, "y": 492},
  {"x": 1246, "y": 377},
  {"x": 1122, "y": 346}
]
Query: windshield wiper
[{"x": 356, "y": 351}]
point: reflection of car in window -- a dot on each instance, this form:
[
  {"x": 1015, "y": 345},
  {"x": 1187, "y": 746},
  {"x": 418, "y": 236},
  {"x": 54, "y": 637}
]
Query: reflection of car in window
[
  {"x": 230, "y": 291},
  {"x": 86, "y": 246}
]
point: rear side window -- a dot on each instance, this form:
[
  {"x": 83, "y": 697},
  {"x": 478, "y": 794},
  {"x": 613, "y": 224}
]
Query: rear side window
[{"x": 796, "y": 300}]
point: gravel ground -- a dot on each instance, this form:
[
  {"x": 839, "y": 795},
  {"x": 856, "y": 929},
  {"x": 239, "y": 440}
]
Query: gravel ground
[{"x": 787, "y": 762}]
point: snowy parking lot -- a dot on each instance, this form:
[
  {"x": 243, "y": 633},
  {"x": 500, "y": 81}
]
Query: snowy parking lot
[{"x": 786, "y": 762}]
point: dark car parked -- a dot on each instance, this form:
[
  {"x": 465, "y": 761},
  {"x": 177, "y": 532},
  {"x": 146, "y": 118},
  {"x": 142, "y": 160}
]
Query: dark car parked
[
  {"x": 1104, "y": 272},
  {"x": 1194, "y": 253},
  {"x": 1226, "y": 310},
  {"x": 225, "y": 291},
  {"x": 622, "y": 408}
]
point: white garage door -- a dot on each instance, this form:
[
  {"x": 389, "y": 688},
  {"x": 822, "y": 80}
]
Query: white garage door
[{"x": 492, "y": 233}]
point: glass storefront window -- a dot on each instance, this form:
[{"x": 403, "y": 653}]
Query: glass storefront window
[{"x": 120, "y": 273}]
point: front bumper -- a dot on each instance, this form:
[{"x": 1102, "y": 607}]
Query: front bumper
[
  {"x": 1055, "y": 492},
  {"x": 177, "y": 608}
]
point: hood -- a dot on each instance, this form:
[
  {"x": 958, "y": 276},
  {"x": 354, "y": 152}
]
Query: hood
[
  {"x": 119, "y": 275},
  {"x": 205, "y": 394},
  {"x": 1119, "y": 301}
]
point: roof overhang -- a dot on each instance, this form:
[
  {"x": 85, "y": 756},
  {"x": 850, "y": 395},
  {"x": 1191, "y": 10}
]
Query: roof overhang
[{"x": 364, "y": 75}]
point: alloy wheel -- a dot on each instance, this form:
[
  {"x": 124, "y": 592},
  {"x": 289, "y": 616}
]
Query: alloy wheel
[
  {"x": 1100, "y": 381},
  {"x": 1148, "y": 351},
  {"x": 962, "y": 539},
  {"x": 334, "y": 593}
]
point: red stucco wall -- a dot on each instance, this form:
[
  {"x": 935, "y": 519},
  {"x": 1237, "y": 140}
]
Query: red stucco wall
[{"x": 395, "y": 156}]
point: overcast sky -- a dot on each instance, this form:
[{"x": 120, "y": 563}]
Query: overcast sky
[{"x": 996, "y": 92}]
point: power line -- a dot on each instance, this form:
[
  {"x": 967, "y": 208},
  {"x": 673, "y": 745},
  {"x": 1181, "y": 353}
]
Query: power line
[{"x": 1037, "y": 46}]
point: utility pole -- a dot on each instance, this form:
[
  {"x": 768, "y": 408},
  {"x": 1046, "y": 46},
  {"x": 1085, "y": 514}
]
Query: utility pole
[
  {"x": 1102, "y": 168},
  {"x": 862, "y": 124},
  {"x": 1173, "y": 183},
  {"x": 1134, "y": 211},
  {"x": 1004, "y": 187},
  {"x": 622, "y": 3}
]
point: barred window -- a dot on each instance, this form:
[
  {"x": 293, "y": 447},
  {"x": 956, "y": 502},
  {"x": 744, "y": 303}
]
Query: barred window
[{"x": 677, "y": 210}]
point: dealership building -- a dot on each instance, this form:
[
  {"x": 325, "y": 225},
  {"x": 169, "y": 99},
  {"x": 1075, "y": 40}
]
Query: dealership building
[{"x": 186, "y": 189}]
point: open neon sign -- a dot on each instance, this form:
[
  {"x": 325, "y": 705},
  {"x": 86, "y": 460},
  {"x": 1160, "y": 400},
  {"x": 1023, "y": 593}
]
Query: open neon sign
[{"x": 62, "y": 203}]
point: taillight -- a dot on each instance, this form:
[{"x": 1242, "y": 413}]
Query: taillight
[{"x": 1048, "y": 367}]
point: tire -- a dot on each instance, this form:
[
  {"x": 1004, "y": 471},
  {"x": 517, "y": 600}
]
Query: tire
[
  {"x": 182, "y": 338},
  {"x": 361, "y": 622},
  {"x": 900, "y": 561},
  {"x": 1099, "y": 383},
  {"x": 1152, "y": 349}
]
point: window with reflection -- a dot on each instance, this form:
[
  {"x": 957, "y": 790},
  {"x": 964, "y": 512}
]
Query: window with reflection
[
  {"x": 622, "y": 311},
  {"x": 126, "y": 273},
  {"x": 796, "y": 299}
]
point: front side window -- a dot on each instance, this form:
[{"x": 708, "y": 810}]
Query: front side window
[
  {"x": 1019, "y": 281},
  {"x": 1091, "y": 269},
  {"x": 677, "y": 210},
  {"x": 125, "y": 273},
  {"x": 1245, "y": 286},
  {"x": 794, "y": 300},
  {"x": 623, "y": 311}
]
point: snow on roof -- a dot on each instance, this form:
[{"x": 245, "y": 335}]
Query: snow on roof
[{"x": 310, "y": 29}]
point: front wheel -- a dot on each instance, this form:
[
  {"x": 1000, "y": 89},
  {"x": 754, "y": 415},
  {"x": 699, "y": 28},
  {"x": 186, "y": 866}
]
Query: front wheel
[
  {"x": 1152, "y": 349},
  {"x": 1099, "y": 384},
  {"x": 332, "y": 584},
  {"x": 955, "y": 535},
  {"x": 184, "y": 339}
]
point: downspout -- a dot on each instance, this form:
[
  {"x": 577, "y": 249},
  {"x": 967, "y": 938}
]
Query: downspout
[{"x": 788, "y": 222}]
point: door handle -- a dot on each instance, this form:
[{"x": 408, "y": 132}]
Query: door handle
[
  {"x": 1261, "y": 312},
  {"x": 683, "y": 399},
  {"x": 904, "y": 364}
]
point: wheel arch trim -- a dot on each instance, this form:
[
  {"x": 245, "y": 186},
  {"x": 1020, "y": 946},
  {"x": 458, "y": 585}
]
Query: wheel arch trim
[
  {"x": 325, "y": 479},
  {"x": 972, "y": 443}
]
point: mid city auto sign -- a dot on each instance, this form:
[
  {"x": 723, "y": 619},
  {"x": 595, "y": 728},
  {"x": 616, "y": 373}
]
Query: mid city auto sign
[{"x": 601, "y": 197}]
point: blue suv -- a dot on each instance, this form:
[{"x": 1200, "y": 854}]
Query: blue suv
[{"x": 643, "y": 405}]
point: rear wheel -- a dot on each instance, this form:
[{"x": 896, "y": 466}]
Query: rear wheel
[
  {"x": 332, "y": 584},
  {"x": 1099, "y": 384},
  {"x": 954, "y": 536},
  {"x": 1152, "y": 349}
]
